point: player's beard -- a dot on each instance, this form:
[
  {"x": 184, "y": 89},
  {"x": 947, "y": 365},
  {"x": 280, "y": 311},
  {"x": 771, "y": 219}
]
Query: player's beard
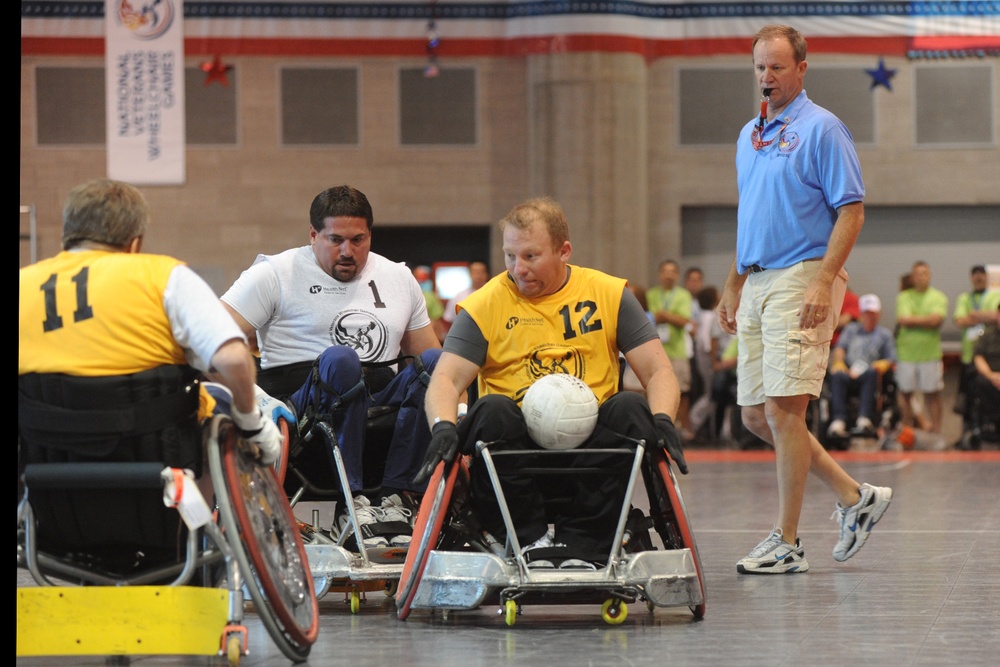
[{"x": 345, "y": 270}]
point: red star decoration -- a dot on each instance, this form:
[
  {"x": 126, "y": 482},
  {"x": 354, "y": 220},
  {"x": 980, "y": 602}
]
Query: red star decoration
[{"x": 216, "y": 71}]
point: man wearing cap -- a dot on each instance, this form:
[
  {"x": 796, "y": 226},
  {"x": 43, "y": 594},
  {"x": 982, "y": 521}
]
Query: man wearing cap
[
  {"x": 863, "y": 353},
  {"x": 973, "y": 310}
]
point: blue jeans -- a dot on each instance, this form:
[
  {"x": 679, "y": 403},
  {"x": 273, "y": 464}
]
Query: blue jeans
[
  {"x": 841, "y": 383},
  {"x": 336, "y": 393}
]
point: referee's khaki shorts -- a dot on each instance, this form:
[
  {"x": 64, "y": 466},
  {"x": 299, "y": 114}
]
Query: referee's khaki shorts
[{"x": 776, "y": 356}]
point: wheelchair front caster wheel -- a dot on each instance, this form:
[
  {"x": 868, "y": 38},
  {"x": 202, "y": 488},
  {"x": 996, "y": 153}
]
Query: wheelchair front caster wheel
[
  {"x": 614, "y": 611},
  {"x": 509, "y": 612},
  {"x": 234, "y": 650}
]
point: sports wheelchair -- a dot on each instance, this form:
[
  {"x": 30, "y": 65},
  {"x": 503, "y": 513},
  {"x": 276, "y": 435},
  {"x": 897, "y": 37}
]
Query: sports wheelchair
[
  {"x": 128, "y": 556},
  {"x": 312, "y": 469},
  {"x": 984, "y": 415},
  {"x": 452, "y": 564}
]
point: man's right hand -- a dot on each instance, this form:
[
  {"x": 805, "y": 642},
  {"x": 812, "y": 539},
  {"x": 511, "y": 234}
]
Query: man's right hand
[
  {"x": 444, "y": 445},
  {"x": 726, "y": 311}
]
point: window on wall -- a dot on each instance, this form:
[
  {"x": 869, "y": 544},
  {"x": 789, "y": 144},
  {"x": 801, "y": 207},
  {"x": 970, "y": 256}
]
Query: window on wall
[
  {"x": 319, "y": 106},
  {"x": 70, "y": 105},
  {"x": 954, "y": 104},
  {"x": 846, "y": 93},
  {"x": 437, "y": 110},
  {"x": 210, "y": 110},
  {"x": 714, "y": 104}
]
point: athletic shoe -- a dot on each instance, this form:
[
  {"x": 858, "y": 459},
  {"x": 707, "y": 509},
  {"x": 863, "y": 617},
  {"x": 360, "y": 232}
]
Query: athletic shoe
[
  {"x": 367, "y": 515},
  {"x": 543, "y": 542},
  {"x": 576, "y": 564},
  {"x": 837, "y": 429},
  {"x": 857, "y": 521},
  {"x": 394, "y": 509},
  {"x": 774, "y": 556}
]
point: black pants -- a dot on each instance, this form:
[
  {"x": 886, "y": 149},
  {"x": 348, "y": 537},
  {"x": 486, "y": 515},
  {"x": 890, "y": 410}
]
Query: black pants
[{"x": 586, "y": 523}]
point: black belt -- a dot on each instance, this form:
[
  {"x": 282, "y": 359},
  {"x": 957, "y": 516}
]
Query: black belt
[{"x": 756, "y": 268}]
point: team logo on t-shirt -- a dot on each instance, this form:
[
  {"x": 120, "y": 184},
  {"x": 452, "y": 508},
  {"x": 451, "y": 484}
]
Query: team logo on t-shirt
[{"x": 360, "y": 331}]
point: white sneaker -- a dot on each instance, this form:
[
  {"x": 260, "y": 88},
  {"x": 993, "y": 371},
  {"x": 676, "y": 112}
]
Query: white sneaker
[
  {"x": 394, "y": 510},
  {"x": 857, "y": 521},
  {"x": 542, "y": 542},
  {"x": 837, "y": 429},
  {"x": 774, "y": 556},
  {"x": 367, "y": 515},
  {"x": 864, "y": 426}
]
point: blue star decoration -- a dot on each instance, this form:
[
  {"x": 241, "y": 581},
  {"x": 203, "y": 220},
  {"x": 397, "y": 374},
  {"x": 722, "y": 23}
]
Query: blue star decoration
[{"x": 881, "y": 76}]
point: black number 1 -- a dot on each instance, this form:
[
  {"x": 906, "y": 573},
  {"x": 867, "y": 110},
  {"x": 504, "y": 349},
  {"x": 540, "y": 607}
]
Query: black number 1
[
  {"x": 378, "y": 299},
  {"x": 83, "y": 309}
]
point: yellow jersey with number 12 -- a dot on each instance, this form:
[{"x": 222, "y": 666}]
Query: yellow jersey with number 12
[{"x": 573, "y": 331}]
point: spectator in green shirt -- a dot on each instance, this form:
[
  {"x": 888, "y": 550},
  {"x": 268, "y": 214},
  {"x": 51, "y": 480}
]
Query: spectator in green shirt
[{"x": 920, "y": 312}]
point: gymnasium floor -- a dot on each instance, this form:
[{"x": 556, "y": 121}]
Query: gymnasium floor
[{"x": 925, "y": 590}]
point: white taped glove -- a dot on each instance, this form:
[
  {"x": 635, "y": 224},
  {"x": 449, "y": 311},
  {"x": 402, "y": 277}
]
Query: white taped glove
[
  {"x": 260, "y": 431},
  {"x": 272, "y": 408}
]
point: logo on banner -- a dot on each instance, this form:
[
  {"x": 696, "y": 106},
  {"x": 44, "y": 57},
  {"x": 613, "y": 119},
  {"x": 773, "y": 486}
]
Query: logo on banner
[{"x": 145, "y": 19}]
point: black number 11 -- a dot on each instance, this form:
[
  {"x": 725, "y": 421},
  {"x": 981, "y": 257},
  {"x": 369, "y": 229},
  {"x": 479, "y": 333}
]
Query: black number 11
[{"x": 83, "y": 310}]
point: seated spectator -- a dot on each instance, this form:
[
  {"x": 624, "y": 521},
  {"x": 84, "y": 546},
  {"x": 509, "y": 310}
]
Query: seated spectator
[
  {"x": 985, "y": 387},
  {"x": 865, "y": 351}
]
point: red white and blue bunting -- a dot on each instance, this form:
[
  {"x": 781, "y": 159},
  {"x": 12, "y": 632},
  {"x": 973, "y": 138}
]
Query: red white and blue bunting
[{"x": 464, "y": 28}]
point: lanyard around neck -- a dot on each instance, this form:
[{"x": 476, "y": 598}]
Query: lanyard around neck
[{"x": 756, "y": 137}]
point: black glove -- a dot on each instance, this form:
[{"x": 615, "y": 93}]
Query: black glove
[
  {"x": 444, "y": 444},
  {"x": 670, "y": 440}
]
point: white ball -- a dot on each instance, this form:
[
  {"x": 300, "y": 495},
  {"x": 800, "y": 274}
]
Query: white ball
[{"x": 560, "y": 411}]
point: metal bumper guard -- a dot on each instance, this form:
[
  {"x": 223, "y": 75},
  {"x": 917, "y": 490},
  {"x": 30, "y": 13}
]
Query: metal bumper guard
[
  {"x": 327, "y": 560},
  {"x": 459, "y": 580}
]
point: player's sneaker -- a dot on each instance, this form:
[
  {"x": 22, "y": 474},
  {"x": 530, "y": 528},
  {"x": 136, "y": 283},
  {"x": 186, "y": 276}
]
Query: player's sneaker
[
  {"x": 546, "y": 541},
  {"x": 774, "y": 556},
  {"x": 837, "y": 429},
  {"x": 367, "y": 515},
  {"x": 394, "y": 510},
  {"x": 857, "y": 521}
]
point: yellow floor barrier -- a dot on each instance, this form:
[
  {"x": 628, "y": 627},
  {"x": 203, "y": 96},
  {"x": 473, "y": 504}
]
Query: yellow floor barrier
[{"x": 126, "y": 620}]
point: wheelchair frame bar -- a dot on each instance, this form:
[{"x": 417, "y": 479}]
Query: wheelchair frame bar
[
  {"x": 38, "y": 563},
  {"x": 64, "y": 476},
  {"x": 483, "y": 448}
]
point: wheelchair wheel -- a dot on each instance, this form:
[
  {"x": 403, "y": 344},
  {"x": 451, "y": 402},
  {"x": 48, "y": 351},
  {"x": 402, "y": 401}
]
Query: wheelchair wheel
[
  {"x": 670, "y": 516},
  {"x": 426, "y": 531},
  {"x": 265, "y": 538}
]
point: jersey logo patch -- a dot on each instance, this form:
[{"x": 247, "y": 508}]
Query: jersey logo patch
[
  {"x": 361, "y": 331},
  {"x": 548, "y": 359},
  {"x": 789, "y": 142}
]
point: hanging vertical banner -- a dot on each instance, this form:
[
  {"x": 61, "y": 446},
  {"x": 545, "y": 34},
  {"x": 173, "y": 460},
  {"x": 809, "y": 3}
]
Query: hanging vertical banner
[{"x": 144, "y": 71}]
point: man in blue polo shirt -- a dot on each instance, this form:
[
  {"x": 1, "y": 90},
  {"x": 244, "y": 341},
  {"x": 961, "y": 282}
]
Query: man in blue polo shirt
[{"x": 800, "y": 211}]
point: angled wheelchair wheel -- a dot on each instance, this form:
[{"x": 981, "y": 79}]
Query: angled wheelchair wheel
[
  {"x": 426, "y": 531},
  {"x": 670, "y": 516},
  {"x": 265, "y": 538}
]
